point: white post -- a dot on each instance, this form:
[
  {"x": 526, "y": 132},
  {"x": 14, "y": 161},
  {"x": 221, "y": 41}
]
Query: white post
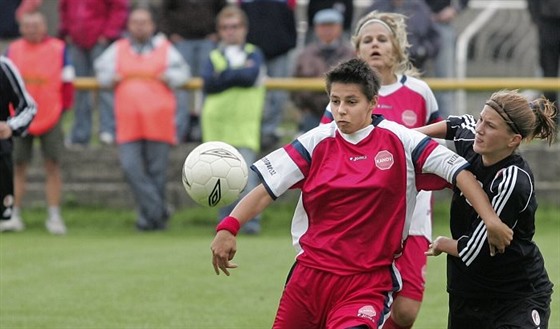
[{"x": 462, "y": 49}]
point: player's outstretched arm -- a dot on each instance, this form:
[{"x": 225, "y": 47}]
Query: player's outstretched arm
[
  {"x": 224, "y": 245},
  {"x": 434, "y": 130},
  {"x": 499, "y": 234}
]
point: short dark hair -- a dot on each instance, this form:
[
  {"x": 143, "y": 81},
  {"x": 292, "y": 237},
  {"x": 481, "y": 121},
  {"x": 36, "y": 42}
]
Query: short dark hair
[{"x": 355, "y": 71}]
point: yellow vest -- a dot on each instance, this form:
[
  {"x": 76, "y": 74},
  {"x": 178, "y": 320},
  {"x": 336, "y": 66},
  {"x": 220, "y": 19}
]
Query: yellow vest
[{"x": 233, "y": 115}]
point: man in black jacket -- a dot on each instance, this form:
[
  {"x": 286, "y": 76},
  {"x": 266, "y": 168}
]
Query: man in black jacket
[{"x": 14, "y": 94}]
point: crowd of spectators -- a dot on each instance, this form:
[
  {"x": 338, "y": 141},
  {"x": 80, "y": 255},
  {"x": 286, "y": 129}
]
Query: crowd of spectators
[{"x": 184, "y": 35}]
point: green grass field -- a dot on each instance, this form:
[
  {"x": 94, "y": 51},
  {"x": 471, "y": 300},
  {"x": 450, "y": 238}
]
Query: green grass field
[{"x": 104, "y": 274}]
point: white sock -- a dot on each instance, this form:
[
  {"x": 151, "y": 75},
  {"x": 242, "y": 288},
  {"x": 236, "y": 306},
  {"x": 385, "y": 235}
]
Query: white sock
[
  {"x": 16, "y": 212},
  {"x": 54, "y": 212}
]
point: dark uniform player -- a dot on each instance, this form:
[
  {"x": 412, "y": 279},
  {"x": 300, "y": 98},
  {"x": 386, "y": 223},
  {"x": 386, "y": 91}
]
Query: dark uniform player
[
  {"x": 12, "y": 92},
  {"x": 509, "y": 290}
]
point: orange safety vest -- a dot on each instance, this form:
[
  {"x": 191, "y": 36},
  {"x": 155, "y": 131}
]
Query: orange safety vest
[
  {"x": 41, "y": 65},
  {"x": 144, "y": 105}
]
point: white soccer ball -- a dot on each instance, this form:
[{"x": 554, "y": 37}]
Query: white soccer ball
[{"x": 214, "y": 174}]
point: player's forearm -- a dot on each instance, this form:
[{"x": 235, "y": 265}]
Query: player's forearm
[
  {"x": 499, "y": 234},
  {"x": 252, "y": 204},
  {"x": 446, "y": 245}
]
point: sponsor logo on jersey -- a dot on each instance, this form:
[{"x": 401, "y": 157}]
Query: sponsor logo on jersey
[
  {"x": 358, "y": 158},
  {"x": 384, "y": 106},
  {"x": 536, "y": 317},
  {"x": 384, "y": 160},
  {"x": 367, "y": 312},
  {"x": 269, "y": 167},
  {"x": 452, "y": 159},
  {"x": 409, "y": 118}
]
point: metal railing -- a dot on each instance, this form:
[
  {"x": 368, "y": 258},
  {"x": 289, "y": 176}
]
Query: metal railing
[{"x": 318, "y": 84}]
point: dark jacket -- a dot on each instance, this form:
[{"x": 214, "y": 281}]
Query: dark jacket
[
  {"x": 8, "y": 25},
  {"x": 272, "y": 26},
  {"x": 543, "y": 9},
  {"x": 13, "y": 92},
  {"x": 438, "y": 5},
  {"x": 422, "y": 33},
  {"x": 191, "y": 19}
]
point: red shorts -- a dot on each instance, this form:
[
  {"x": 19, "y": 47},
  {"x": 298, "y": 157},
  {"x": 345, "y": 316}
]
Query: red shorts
[
  {"x": 412, "y": 266},
  {"x": 318, "y": 299}
]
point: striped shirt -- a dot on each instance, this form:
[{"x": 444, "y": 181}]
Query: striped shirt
[
  {"x": 509, "y": 184},
  {"x": 13, "y": 92}
]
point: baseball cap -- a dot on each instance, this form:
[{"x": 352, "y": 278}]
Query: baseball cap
[{"x": 326, "y": 16}]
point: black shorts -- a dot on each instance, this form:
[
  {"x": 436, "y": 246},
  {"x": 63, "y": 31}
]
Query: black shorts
[
  {"x": 526, "y": 313},
  {"x": 6, "y": 186}
]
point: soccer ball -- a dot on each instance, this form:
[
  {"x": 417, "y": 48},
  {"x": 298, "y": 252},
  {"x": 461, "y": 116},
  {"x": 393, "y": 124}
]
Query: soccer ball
[{"x": 214, "y": 174}]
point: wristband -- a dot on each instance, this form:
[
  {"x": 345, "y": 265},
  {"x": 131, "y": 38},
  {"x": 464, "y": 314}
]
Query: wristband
[{"x": 230, "y": 224}]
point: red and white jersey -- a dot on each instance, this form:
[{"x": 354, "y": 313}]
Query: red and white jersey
[
  {"x": 358, "y": 191},
  {"x": 410, "y": 102}
]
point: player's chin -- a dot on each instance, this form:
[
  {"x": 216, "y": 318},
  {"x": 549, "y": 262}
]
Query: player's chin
[
  {"x": 344, "y": 127},
  {"x": 478, "y": 147}
]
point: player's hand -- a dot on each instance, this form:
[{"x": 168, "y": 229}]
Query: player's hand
[
  {"x": 223, "y": 249},
  {"x": 5, "y": 130},
  {"x": 434, "y": 249},
  {"x": 499, "y": 237}
]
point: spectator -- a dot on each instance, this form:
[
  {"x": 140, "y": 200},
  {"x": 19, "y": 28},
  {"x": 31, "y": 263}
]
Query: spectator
[
  {"x": 144, "y": 67},
  {"x": 272, "y": 28},
  {"x": 381, "y": 40},
  {"x": 12, "y": 94},
  {"x": 546, "y": 16},
  {"x": 357, "y": 177},
  {"x": 191, "y": 26},
  {"x": 89, "y": 27},
  {"x": 233, "y": 83},
  {"x": 11, "y": 13},
  {"x": 315, "y": 60},
  {"x": 345, "y": 7},
  {"x": 52, "y": 87},
  {"x": 511, "y": 290},
  {"x": 423, "y": 36},
  {"x": 444, "y": 13}
]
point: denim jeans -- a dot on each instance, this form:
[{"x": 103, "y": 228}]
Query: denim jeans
[
  {"x": 145, "y": 164},
  {"x": 250, "y": 157},
  {"x": 277, "y": 67},
  {"x": 81, "y": 130},
  {"x": 195, "y": 52}
]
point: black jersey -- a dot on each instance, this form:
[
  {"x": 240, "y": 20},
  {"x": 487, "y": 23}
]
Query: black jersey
[{"x": 509, "y": 184}]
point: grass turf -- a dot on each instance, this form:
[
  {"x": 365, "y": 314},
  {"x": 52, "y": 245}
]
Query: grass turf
[{"x": 104, "y": 274}]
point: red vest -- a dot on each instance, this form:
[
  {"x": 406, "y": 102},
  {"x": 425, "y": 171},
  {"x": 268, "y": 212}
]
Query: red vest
[
  {"x": 41, "y": 67},
  {"x": 144, "y": 104}
]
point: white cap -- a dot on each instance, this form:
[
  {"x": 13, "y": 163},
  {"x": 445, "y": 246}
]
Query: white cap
[{"x": 328, "y": 16}]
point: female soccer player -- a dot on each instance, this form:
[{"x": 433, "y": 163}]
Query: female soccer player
[
  {"x": 381, "y": 40},
  {"x": 511, "y": 290},
  {"x": 357, "y": 177}
]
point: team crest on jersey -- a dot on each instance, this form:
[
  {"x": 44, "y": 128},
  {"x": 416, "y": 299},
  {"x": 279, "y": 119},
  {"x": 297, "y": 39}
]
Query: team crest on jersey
[
  {"x": 409, "y": 118},
  {"x": 384, "y": 160},
  {"x": 367, "y": 312},
  {"x": 536, "y": 317}
]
